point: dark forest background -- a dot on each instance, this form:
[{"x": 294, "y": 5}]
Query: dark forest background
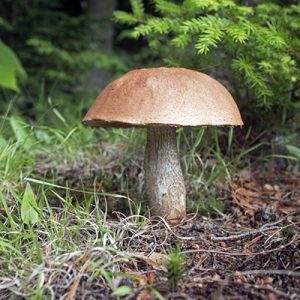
[
  {"x": 71, "y": 49},
  {"x": 56, "y": 56}
]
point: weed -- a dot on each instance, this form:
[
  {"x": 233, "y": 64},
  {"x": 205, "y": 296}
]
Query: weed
[
  {"x": 287, "y": 233},
  {"x": 208, "y": 206},
  {"x": 175, "y": 268}
]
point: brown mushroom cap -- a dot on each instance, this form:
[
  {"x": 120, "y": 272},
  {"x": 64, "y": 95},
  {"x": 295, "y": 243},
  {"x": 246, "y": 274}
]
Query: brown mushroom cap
[{"x": 163, "y": 96}]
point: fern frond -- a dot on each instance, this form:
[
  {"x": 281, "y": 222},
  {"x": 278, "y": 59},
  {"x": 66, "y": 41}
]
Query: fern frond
[
  {"x": 266, "y": 9},
  {"x": 240, "y": 32},
  {"x": 182, "y": 40},
  {"x": 296, "y": 8},
  {"x": 192, "y": 25},
  {"x": 124, "y": 18},
  {"x": 167, "y": 7},
  {"x": 137, "y": 8},
  {"x": 45, "y": 47},
  {"x": 155, "y": 25},
  {"x": 211, "y": 29},
  {"x": 126, "y": 34},
  {"x": 227, "y": 3},
  {"x": 162, "y": 25},
  {"x": 209, "y": 38},
  {"x": 271, "y": 37},
  {"x": 266, "y": 67},
  {"x": 243, "y": 10},
  {"x": 142, "y": 30},
  {"x": 253, "y": 78},
  {"x": 201, "y": 5},
  {"x": 197, "y": 25}
]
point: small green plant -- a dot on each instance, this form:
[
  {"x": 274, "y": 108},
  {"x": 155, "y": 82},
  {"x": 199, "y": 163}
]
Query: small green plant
[
  {"x": 10, "y": 65},
  {"x": 29, "y": 207},
  {"x": 294, "y": 152},
  {"x": 208, "y": 206},
  {"x": 175, "y": 267},
  {"x": 10, "y": 68},
  {"x": 287, "y": 233}
]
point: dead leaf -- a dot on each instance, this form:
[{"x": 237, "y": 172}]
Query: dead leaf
[
  {"x": 75, "y": 284},
  {"x": 151, "y": 278},
  {"x": 268, "y": 187},
  {"x": 155, "y": 260},
  {"x": 240, "y": 278},
  {"x": 146, "y": 295},
  {"x": 195, "y": 246},
  {"x": 268, "y": 280},
  {"x": 272, "y": 296}
]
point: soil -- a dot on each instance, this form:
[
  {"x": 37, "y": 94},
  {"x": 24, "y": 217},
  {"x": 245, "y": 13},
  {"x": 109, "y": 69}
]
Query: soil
[{"x": 250, "y": 251}]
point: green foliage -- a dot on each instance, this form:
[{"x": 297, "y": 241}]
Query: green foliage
[
  {"x": 21, "y": 132},
  {"x": 175, "y": 267},
  {"x": 209, "y": 206},
  {"x": 288, "y": 233},
  {"x": 137, "y": 8},
  {"x": 73, "y": 62},
  {"x": 29, "y": 208},
  {"x": 10, "y": 68},
  {"x": 256, "y": 46},
  {"x": 56, "y": 47},
  {"x": 4, "y": 24},
  {"x": 122, "y": 291},
  {"x": 293, "y": 151}
]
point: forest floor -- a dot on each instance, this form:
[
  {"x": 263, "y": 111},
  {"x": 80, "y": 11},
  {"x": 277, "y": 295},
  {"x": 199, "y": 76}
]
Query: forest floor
[
  {"x": 249, "y": 251},
  {"x": 84, "y": 245}
]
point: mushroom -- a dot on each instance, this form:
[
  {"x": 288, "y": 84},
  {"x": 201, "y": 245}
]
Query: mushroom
[{"x": 162, "y": 99}]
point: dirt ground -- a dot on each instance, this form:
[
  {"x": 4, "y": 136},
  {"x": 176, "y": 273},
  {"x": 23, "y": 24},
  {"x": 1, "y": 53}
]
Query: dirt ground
[{"x": 250, "y": 252}]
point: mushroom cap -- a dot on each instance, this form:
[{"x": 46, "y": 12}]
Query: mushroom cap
[{"x": 163, "y": 97}]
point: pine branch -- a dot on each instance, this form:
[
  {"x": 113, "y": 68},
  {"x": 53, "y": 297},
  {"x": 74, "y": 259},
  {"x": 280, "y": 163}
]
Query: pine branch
[
  {"x": 167, "y": 8},
  {"x": 123, "y": 17},
  {"x": 137, "y": 8}
]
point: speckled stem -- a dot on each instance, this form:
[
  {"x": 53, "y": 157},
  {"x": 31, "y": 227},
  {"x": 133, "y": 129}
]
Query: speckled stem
[{"x": 163, "y": 176}]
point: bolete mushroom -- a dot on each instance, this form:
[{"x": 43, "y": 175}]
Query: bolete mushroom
[{"x": 162, "y": 99}]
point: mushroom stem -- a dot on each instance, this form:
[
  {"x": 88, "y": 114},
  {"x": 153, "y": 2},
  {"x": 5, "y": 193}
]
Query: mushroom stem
[{"x": 163, "y": 176}]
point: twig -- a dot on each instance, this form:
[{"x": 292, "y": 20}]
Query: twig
[
  {"x": 239, "y": 253},
  {"x": 248, "y": 286},
  {"x": 76, "y": 281},
  {"x": 242, "y": 235},
  {"x": 268, "y": 288},
  {"x": 187, "y": 220},
  {"x": 268, "y": 272},
  {"x": 170, "y": 229}
]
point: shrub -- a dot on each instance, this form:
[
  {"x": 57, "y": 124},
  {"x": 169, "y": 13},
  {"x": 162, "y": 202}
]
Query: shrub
[{"x": 254, "y": 49}]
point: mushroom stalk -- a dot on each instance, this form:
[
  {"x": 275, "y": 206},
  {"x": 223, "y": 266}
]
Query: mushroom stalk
[{"x": 163, "y": 175}]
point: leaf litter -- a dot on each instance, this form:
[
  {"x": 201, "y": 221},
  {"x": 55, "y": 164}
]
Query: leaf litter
[{"x": 250, "y": 251}]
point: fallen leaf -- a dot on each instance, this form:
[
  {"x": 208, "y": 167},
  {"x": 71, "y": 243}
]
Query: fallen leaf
[
  {"x": 268, "y": 187},
  {"x": 272, "y": 296},
  {"x": 268, "y": 280},
  {"x": 155, "y": 260},
  {"x": 146, "y": 295}
]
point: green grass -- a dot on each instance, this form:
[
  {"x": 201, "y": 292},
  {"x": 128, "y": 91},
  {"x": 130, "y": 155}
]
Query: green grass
[{"x": 60, "y": 186}]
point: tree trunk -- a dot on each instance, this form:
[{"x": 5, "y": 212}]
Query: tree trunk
[
  {"x": 102, "y": 30},
  {"x": 163, "y": 176}
]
